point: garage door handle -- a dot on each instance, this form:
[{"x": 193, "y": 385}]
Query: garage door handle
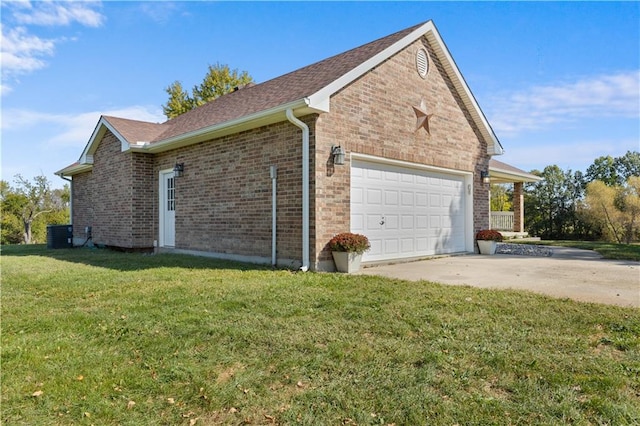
[{"x": 382, "y": 221}]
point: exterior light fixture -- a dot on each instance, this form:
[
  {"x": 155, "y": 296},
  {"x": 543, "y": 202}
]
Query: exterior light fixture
[
  {"x": 178, "y": 169},
  {"x": 484, "y": 175},
  {"x": 338, "y": 155}
]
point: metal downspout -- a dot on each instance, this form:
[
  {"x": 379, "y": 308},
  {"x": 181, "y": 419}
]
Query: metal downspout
[
  {"x": 305, "y": 187},
  {"x": 273, "y": 172},
  {"x": 70, "y": 198}
]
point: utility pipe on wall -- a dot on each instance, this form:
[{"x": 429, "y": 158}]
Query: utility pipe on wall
[
  {"x": 305, "y": 187},
  {"x": 273, "y": 172},
  {"x": 70, "y": 198}
]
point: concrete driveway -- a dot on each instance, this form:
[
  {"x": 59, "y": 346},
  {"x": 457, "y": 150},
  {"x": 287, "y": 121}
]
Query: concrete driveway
[{"x": 569, "y": 273}]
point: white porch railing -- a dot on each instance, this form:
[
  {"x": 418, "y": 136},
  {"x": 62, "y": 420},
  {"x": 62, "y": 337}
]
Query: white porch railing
[{"x": 502, "y": 221}]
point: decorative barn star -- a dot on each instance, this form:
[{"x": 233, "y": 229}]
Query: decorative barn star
[{"x": 422, "y": 117}]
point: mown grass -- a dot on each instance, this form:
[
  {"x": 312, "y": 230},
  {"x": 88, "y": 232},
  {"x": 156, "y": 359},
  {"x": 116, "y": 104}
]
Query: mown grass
[
  {"x": 105, "y": 338},
  {"x": 607, "y": 250}
]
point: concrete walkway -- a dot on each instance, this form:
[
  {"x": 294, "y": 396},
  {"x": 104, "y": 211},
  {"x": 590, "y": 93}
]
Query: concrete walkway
[{"x": 569, "y": 273}]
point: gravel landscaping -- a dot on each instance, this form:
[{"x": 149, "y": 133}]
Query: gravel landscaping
[{"x": 523, "y": 250}]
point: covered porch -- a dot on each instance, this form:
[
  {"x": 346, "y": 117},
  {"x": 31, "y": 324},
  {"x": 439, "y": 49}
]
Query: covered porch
[{"x": 510, "y": 223}]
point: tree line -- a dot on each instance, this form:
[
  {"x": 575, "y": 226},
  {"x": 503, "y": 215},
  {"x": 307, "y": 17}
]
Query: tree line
[{"x": 601, "y": 204}]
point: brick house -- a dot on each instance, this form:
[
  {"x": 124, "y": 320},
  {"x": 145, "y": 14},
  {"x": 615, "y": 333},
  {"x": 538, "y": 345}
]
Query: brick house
[{"x": 215, "y": 180}]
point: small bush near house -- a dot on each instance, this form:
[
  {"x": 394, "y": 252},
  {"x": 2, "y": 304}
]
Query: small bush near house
[
  {"x": 489, "y": 235},
  {"x": 349, "y": 242}
]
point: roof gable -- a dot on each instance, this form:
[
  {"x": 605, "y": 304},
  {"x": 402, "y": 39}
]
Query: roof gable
[
  {"x": 306, "y": 90},
  {"x": 128, "y": 132},
  {"x": 314, "y": 82}
]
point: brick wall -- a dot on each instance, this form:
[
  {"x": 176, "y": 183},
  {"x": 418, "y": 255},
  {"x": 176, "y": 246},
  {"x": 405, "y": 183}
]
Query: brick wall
[
  {"x": 115, "y": 198},
  {"x": 83, "y": 213},
  {"x": 142, "y": 212},
  {"x": 223, "y": 201},
  {"x": 374, "y": 116}
]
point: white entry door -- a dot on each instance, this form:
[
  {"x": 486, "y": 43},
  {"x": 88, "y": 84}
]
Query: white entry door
[
  {"x": 407, "y": 212},
  {"x": 167, "y": 215}
]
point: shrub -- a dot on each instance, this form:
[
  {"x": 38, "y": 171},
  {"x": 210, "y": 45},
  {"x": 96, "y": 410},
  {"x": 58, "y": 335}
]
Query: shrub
[
  {"x": 489, "y": 235},
  {"x": 349, "y": 242}
]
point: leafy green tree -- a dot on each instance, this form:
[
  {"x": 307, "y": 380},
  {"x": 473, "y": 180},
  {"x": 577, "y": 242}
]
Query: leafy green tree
[
  {"x": 179, "y": 101},
  {"x": 501, "y": 198},
  {"x": 552, "y": 204},
  {"x": 38, "y": 201},
  {"x": 28, "y": 208},
  {"x": 218, "y": 81},
  {"x": 11, "y": 231},
  {"x": 604, "y": 170},
  {"x": 628, "y": 165}
]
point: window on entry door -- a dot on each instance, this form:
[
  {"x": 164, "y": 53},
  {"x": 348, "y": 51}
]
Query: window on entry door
[{"x": 171, "y": 194}]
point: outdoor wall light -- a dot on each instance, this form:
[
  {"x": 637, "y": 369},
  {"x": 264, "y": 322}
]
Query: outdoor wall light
[
  {"x": 338, "y": 155},
  {"x": 484, "y": 175},
  {"x": 178, "y": 169}
]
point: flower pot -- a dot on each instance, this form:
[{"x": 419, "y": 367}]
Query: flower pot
[
  {"x": 347, "y": 261},
  {"x": 487, "y": 246}
]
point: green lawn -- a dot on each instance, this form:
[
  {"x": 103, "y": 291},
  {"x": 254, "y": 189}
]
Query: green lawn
[
  {"x": 607, "y": 250},
  {"x": 107, "y": 338}
]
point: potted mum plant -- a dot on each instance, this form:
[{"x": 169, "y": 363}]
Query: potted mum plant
[
  {"x": 488, "y": 241},
  {"x": 347, "y": 249}
]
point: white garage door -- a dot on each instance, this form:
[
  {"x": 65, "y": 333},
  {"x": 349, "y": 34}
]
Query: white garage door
[{"x": 406, "y": 212}]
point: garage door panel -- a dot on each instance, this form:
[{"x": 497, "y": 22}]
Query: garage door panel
[
  {"x": 374, "y": 196},
  {"x": 357, "y": 196},
  {"x": 391, "y": 222},
  {"x": 376, "y": 247},
  {"x": 407, "y": 212},
  {"x": 357, "y": 223},
  {"x": 407, "y": 223},
  {"x": 390, "y": 197},
  {"x": 391, "y": 176},
  {"x": 391, "y": 246},
  {"x": 373, "y": 174},
  {"x": 407, "y": 245},
  {"x": 407, "y": 199},
  {"x": 373, "y": 222}
]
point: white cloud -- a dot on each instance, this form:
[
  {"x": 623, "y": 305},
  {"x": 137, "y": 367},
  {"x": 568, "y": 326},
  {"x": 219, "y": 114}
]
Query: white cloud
[
  {"x": 52, "y": 13},
  {"x": 21, "y": 51},
  {"x": 159, "y": 12},
  {"x": 72, "y": 130},
  {"x": 53, "y": 141},
  {"x": 616, "y": 95}
]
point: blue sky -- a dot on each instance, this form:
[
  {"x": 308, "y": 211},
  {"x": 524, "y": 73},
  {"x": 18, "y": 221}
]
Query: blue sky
[{"x": 559, "y": 82}]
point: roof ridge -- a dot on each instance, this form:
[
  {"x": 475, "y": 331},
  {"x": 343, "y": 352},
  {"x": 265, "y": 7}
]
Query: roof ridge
[{"x": 292, "y": 86}]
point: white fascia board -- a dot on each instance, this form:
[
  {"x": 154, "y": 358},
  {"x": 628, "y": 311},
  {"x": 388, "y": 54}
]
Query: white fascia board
[
  {"x": 74, "y": 169},
  {"x": 320, "y": 99},
  {"x": 494, "y": 147},
  {"x": 409, "y": 165},
  {"x": 96, "y": 137},
  {"x": 500, "y": 175},
  {"x": 270, "y": 115}
]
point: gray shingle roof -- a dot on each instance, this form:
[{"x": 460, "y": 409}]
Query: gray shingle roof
[
  {"x": 287, "y": 88},
  {"x": 136, "y": 131},
  {"x": 305, "y": 90}
]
